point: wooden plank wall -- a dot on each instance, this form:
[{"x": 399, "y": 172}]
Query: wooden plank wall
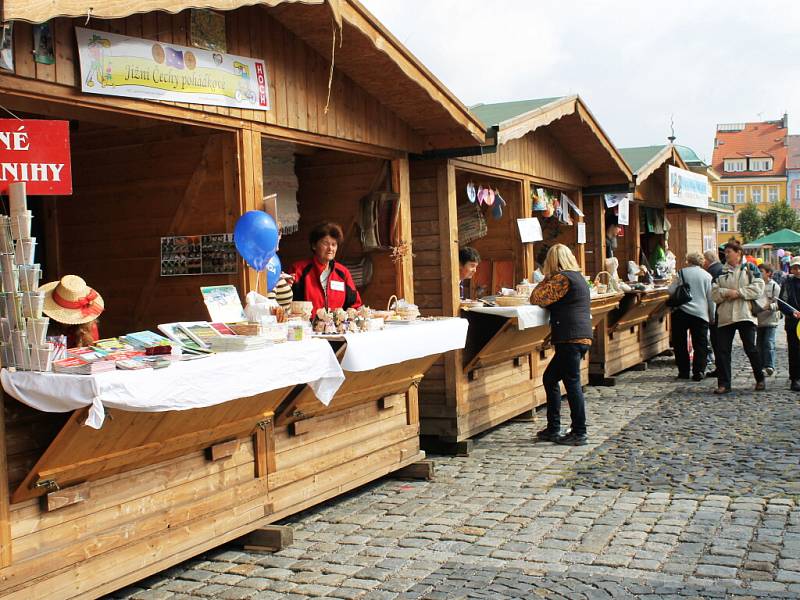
[
  {"x": 298, "y": 76},
  {"x": 331, "y": 187},
  {"x": 537, "y": 154},
  {"x": 132, "y": 525},
  {"x": 131, "y": 187}
]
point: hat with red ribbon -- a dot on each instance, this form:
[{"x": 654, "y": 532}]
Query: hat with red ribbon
[{"x": 70, "y": 301}]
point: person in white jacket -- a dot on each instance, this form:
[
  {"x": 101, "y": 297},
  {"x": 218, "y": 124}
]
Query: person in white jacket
[
  {"x": 693, "y": 316},
  {"x": 734, "y": 292},
  {"x": 768, "y": 320}
]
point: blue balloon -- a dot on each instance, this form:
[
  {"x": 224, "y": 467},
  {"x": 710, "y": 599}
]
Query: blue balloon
[
  {"x": 273, "y": 272},
  {"x": 256, "y": 238}
]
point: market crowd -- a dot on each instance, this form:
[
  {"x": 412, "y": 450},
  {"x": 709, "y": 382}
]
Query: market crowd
[{"x": 714, "y": 298}]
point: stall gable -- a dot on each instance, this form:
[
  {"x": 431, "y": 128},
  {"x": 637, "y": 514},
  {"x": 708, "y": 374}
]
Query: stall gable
[{"x": 298, "y": 80}]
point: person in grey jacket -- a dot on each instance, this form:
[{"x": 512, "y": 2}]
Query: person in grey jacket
[
  {"x": 693, "y": 316},
  {"x": 733, "y": 292},
  {"x": 768, "y": 320}
]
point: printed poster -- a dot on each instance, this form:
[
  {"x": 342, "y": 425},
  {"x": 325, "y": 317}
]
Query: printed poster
[
  {"x": 687, "y": 188},
  {"x": 118, "y": 65},
  {"x": 213, "y": 254},
  {"x": 530, "y": 230},
  {"x": 581, "y": 232},
  {"x": 223, "y": 303},
  {"x": 623, "y": 211}
]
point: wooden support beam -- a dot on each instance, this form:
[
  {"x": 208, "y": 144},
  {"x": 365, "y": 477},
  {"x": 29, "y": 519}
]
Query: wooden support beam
[
  {"x": 602, "y": 381},
  {"x": 423, "y": 469},
  {"x": 270, "y": 538},
  {"x": 67, "y": 497},
  {"x": 5, "y": 508},
  {"x": 223, "y": 450},
  {"x": 437, "y": 445},
  {"x": 249, "y": 188},
  {"x": 401, "y": 183},
  {"x": 642, "y": 366},
  {"x": 301, "y": 427},
  {"x": 388, "y": 402},
  {"x": 529, "y": 416}
]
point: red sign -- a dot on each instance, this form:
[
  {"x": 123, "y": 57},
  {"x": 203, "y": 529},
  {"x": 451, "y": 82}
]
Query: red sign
[{"x": 36, "y": 152}]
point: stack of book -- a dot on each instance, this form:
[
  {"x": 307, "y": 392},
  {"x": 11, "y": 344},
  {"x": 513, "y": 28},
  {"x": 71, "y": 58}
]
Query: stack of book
[
  {"x": 151, "y": 343},
  {"x": 75, "y": 365},
  {"x": 238, "y": 343}
]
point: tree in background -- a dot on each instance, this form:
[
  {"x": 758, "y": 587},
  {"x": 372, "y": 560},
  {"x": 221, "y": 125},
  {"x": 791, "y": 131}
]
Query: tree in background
[
  {"x": 780, "y": 216},
  {"x": 751, "y": 224}
]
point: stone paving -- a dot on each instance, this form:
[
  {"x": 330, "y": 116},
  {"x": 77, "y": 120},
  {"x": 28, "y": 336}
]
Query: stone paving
[{"x": 679, "y": 494}]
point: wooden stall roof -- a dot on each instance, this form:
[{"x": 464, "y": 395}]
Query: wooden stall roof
[
  {"x": 569, "y": 121},
  {"x": 394, "y": 76},
  {"x": 646, "y": 160},
  {"x": 39, "y": 11},
  {"x": 365, "y": 51}
]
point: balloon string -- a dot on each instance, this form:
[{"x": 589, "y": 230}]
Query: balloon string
[{"x": 258, "y": 280}]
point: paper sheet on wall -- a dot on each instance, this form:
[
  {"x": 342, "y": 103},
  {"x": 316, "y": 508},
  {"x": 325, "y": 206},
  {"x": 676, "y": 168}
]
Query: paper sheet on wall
[
  {"x": 581, "y": 233},
  {"x": 623, "y": 212},
  {"x": 530, "y": 230}
]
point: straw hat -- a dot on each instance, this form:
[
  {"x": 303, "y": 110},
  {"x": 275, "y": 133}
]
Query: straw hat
[{"x": 70, "y": 301}]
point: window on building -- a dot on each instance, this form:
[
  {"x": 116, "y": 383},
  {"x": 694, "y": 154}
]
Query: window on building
[
  {"x": 735, "y": 165},
  {"x": 797, "y": 193},
  {"x": 772, "y": 194},
  {"x": 739, "y": 195},
  {"x": 760, "y": 164},
  {"x": 755, "y": 195},
  {"x": 723, "y": 195},
  {"x": 723, "y": 224}
]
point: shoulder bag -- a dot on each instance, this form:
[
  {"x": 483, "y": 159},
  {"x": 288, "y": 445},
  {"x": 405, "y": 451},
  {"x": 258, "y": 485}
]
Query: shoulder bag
[{"x": 681, "y": 295}]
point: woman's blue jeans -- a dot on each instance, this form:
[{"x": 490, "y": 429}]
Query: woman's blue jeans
[{"x": 566, "y": 367}]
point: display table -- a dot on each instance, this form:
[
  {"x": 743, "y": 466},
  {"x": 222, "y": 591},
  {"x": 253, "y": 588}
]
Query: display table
[
  {"x": 371, "y": 426},
  {"x": 183, "y": 385},
  {"x": 525, "y": 316},
  {"x": 380, "y": 363}
]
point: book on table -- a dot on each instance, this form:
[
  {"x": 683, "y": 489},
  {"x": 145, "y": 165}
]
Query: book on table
[{"x": 201, "y": 332}]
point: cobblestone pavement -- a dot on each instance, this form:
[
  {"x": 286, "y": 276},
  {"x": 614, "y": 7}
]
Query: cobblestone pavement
[{"x": 679, "y": 494}]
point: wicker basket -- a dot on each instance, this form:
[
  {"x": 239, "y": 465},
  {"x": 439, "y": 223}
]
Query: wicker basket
[
  {"x": 511, "y": 300},
  {"x": 602, "y": 288},
  {"x": 403, "y": 313}
]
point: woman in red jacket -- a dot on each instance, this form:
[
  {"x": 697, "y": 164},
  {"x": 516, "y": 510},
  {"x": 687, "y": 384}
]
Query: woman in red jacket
[{"x": 320, "y": 279}]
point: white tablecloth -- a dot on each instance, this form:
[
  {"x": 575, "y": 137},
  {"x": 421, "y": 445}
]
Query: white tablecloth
[
  {"x": 527, "y": 316},
  {"x": 183, "y": 385},
  {"x": 399, "y": 343}
]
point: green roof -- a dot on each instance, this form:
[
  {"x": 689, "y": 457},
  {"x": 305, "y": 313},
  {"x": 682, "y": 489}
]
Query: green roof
[
  {"x": 640, "y": 156},
  {"x": 688, "y": 155},
  {"x": 784, "y": 237},
  {"x": 494, "y": 114}
]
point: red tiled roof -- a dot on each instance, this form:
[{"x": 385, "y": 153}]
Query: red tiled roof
[
  {"x": 793, "y": 159},
  {"x": 765, "y": 139}
]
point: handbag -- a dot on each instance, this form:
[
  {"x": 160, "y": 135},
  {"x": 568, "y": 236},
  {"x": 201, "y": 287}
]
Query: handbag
[
  {"x": 758, "y": 305},
  {"x": 681, "y": 295}
]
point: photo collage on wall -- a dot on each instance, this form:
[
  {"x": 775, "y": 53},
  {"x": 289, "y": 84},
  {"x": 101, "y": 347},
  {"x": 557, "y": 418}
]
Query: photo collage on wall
[{"x": 213, "y": 254}]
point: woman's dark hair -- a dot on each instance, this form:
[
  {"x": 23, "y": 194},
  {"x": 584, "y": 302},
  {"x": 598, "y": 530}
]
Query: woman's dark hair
[
  {"x": 735, "y": 246},
  {"x": 767, "y": 267},
  {"x": 325, "y": 229},
  {"x": 468, "y": 254}
]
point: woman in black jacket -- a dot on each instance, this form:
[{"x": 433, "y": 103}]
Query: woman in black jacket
[
  {"x": 790, "y": 294},
  {"x": 565, "y": 293}
]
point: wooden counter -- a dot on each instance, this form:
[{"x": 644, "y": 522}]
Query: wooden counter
[
  {"x": 369, "y": 429},
  {"x": 92, "y": 510},
  {"x": 633, "y": 333}
]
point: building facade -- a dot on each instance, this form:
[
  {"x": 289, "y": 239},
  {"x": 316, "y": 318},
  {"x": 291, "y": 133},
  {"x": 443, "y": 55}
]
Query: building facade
[
  {"x": 750, "y": 159},
  {"x": 793, "y": 171}
]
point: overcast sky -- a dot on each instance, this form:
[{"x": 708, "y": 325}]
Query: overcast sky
[{"x": 634, "y": 62}]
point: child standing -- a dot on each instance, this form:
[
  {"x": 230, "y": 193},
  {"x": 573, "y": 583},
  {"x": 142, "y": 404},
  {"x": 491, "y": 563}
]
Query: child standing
[{"x": 768, "y": 320}]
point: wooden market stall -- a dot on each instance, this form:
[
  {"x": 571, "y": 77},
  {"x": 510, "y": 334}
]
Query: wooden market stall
[
  {"x": 639, "y": 329},
  {"x": 552, "y": 144},
  {"x": 85, "y": 511}
]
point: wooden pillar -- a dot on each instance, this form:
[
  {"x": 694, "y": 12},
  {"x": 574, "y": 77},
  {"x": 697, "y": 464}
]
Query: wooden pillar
[
  {"x": 404, "y": 268},
  {"x": 448, "y": 248},
  {"x": 528, "y": 258},
  {"x": 5, "y": 508},
  {"x": 249, "y": 187},
  {"x": 580, "y": 254}
]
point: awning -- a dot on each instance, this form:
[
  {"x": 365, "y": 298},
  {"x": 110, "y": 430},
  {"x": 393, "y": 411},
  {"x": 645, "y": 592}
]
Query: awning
[{"x": 39, "y": 11}]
